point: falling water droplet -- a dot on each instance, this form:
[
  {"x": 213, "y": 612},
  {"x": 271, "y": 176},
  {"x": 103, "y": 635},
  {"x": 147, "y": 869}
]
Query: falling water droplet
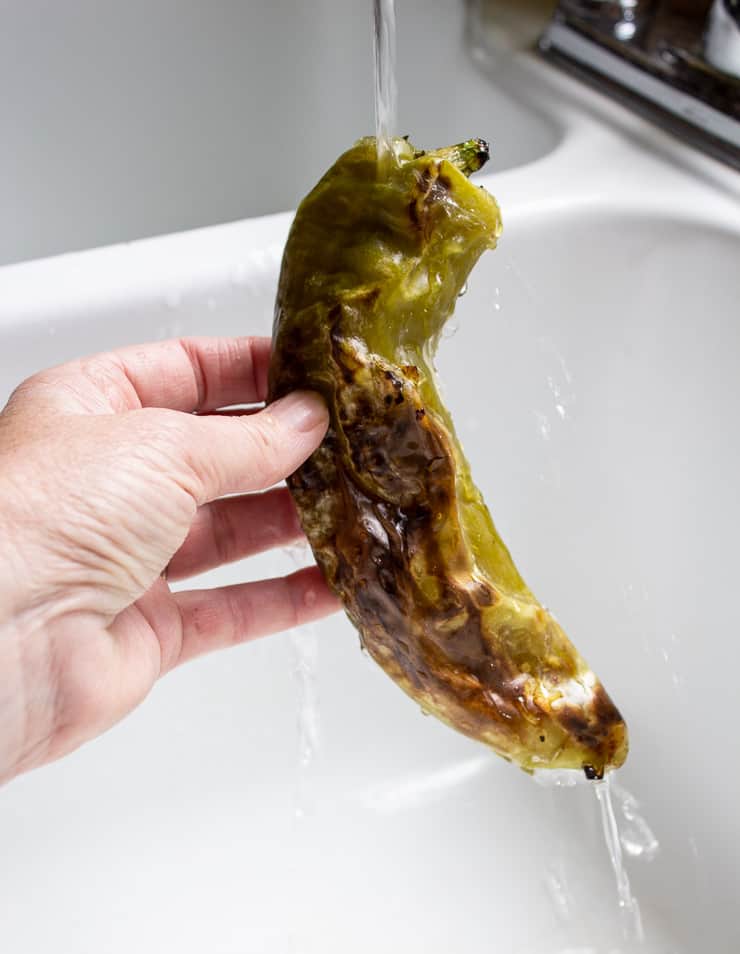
[
  {"x": 450, "y": 329},
  {"x": 557, "y": 888},
  {"x": 463, "y": 290},
  {"x": 543, "y": 425}
]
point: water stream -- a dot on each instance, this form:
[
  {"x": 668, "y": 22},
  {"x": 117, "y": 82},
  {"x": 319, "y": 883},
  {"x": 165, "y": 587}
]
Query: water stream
[
  {"x": 304, "y": 654},
  {"x": 628, "y": 905},
  {"x": 386, "y": 94}
]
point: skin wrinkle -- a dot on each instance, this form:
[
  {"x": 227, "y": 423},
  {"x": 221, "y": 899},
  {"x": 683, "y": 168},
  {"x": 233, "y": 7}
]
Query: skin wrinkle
[
  {"x": 174, "y": 451},
  {"x": 111, "y": 381},
  {"x": 175, "y": 657},
  {"x": 78, "y": 529},
  {"x": 199, "y": 376},
  {"x": 223, "y": 532},
  {"x": 239, "y": 615},
  {"x": 131, "y": 400},
  {"x": 261, "y": 450},
  {"x": 258, "y": 372},
  {"x": 166, "y": 619}
]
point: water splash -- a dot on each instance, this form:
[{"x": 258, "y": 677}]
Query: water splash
[
  {"x": 386, "y": 93},
  {"x": 543, "y": 425},
  {"x": 636, "y": 836},
  {"x": 632, "y": 928},
  {"x": 559, "y": 778}
]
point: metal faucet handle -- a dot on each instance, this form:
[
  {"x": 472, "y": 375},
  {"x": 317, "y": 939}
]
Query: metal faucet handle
[
  {"x": 676, "y": 61},
  {"x": 722, "y": 38}
]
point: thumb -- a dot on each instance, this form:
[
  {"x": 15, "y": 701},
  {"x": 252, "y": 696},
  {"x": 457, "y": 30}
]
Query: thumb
[{"x": 240, "y": 454}]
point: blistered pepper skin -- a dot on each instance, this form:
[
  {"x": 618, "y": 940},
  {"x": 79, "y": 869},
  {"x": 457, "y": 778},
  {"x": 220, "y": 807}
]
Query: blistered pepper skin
[{"x": 371, "y": 272}]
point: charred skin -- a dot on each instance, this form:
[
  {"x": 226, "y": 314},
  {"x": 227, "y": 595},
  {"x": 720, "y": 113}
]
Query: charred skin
[{"x": 371, "y": 272}]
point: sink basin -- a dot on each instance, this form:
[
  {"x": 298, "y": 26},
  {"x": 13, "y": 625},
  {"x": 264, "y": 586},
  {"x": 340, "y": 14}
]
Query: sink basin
[
  {"x": 285, "y": 796},
  {"x": 596, "y": 406}
]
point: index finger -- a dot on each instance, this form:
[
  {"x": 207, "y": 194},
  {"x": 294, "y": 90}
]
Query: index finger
[
  {"x": 195, "y": 374},
  {"x": 181, "y": 374}
]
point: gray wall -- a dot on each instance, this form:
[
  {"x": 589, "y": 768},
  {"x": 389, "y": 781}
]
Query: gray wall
[{"x": 127, "y": 118}]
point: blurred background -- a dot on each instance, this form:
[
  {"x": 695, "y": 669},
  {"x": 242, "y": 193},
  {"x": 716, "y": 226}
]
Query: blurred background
[{"x": 125, "y": 120}]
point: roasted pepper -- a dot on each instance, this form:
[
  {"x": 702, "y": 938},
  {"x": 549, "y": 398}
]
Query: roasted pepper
[{"x": 372, "y": 270}]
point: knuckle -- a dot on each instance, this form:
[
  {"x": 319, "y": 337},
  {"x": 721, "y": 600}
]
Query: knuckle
[{"x": 28, "y": 388}]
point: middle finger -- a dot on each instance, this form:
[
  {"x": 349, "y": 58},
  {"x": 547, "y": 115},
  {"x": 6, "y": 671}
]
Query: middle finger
[{"x": 231, "y": 528}]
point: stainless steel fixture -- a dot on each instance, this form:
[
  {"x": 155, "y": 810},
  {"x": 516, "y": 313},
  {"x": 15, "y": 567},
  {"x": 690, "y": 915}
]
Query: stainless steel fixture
[{"x": 676, "y": 61}]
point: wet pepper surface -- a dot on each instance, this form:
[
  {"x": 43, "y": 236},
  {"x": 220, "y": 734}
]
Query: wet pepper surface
[{"x": 374, "y": 263}]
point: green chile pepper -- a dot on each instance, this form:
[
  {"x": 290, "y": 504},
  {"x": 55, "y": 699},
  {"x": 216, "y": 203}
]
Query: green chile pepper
[{"x": 371, "y": 272}]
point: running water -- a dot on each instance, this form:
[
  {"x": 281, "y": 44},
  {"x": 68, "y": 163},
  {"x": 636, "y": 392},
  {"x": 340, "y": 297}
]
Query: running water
[
  {"x": 304, "y": 643},
  {"x": 625, "y": 832},
  {"x": 629, "y": 908},
  {"x": 636, "y": 836},
  {"x": 386, "y": 94},
  {"x": 304, "y": 661}
]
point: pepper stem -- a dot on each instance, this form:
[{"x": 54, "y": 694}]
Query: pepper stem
[{"x": 468, "y": 156}]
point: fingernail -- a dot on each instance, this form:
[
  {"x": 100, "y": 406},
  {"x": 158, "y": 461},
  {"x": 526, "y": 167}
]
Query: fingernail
[{"x": 301, "y": 410}]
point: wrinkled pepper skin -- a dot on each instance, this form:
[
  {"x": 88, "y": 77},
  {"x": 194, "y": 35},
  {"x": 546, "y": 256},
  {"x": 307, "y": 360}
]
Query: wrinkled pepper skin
[{"x": 372, "y": 270}]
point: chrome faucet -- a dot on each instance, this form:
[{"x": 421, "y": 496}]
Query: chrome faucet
[
  {"x": 722, "y": 39},
  {"x": 677, "y": 61}
]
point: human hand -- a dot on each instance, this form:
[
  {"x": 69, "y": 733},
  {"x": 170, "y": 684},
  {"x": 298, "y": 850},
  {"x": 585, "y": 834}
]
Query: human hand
[{"x": 109, "y": 489}]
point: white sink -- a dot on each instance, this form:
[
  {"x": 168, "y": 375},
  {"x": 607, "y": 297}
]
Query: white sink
[{"x": 285, "y": 796}]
